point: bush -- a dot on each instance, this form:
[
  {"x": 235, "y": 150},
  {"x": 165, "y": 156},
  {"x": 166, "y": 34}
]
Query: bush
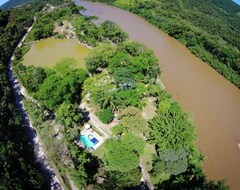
[
  {"x": 118, "y": 130},
  {"x": 105, "y": 115}
]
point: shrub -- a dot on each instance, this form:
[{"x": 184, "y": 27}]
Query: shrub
[{"x": 105, "y": 115}]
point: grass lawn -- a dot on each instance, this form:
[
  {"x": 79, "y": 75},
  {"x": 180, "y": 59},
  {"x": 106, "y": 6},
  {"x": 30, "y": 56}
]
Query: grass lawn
[
  {"x": 149, "y": 152},
  {"x": 149, "y": 111},
  {"x": 159, "y": 178},
  {"x": 147, "y": 156},
  {"x": 100, "y": 151}
]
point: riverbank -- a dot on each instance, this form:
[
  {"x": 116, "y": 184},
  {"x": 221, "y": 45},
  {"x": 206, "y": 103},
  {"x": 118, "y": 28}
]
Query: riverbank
[{"x": 200, "y": 90}]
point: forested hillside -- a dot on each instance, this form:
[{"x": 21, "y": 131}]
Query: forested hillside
[
  {"x": 18, "y": 169},
  {"x": 208, "y": 28},
  {"x": 120, "y": 80},
  {"x": 14, "y": 3}
]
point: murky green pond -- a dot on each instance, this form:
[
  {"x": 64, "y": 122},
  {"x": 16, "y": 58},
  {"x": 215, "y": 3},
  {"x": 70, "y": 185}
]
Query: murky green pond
[{"x": 48, "y": 52}]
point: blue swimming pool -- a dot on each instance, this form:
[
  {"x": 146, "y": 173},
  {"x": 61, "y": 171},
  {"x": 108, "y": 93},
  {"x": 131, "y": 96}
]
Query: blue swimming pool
[
  {"x": 86, "y": 141},
  {"x": 93, "y": 139}
]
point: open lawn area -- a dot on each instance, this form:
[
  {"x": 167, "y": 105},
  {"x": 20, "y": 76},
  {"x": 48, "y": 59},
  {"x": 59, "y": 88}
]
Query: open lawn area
[
  {"x": 149, "y": 152},
  {"x": 159, "y": 178},
  {"x": 100, "y": 151}
]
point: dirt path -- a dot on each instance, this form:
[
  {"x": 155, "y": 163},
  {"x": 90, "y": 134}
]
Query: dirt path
[
  {"x": 103, "y": 128},
  {"x": 146, "y": 176},
  {"x": 39, "y": 153}
]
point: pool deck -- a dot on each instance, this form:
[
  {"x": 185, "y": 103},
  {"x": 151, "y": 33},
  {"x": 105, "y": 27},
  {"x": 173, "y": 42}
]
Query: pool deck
[{"x": 91, "y": 131}]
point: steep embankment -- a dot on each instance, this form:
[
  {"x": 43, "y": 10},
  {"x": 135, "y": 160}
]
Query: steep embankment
[
  {"x": 39, "y": 153},
  {"x": 18, "y": 169}
]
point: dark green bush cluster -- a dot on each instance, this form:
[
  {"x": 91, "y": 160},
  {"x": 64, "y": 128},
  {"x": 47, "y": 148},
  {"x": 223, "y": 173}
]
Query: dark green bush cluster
[{"x": 105, "y": 115}]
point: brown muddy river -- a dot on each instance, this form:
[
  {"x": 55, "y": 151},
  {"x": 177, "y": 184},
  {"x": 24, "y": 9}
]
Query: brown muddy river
[
  {"x": 48, "y": 52},
  {"x": 213, "y": 101}
]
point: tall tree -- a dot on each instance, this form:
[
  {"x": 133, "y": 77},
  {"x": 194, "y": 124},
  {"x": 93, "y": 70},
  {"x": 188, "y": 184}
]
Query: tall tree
[
  {"x": 123, "y": 155},
  {"x": 100, "y": 57},
  {"x": 172, "y": 130},
  {"x": 63, "y": 83},
  {"x": 132, "y": 120}
]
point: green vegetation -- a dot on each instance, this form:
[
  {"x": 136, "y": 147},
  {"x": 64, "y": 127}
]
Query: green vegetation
[
  {"x": 113, "y": 32},
  {"x": 209, "y": 29},
  {"x": 55, "y": 149},
  {"x": 173, "y": 126},
  {"x": 170, "y": 162},
  {"x": 105, "y": 115},
  {"x": 63, "y": 84},
  {"x": 89, "y": 33},
  {"x": 31, "y": 77},
  {"x": 100, "y": 57},
  {"x": 44, "y": 25},
  {"x": 123, "y": 155},
  {"x": 122, "y": 180},
  {"x": 132, "y": 120},
  {"x": 18, "y": 169},
  {"x": 147, "y": 157},
  {"x": 123, "y": 76},
  {"x": 14, "y": 3},
  {"x": 69, "y": 115},
  {"x": 124, "y": 83},
  {"x": 118, "y": 130}
]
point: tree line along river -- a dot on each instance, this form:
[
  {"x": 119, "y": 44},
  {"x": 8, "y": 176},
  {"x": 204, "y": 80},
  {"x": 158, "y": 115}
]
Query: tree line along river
[{"x": 212, "y": 100}]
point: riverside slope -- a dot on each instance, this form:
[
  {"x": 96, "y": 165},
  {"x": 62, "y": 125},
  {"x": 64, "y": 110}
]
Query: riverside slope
[
  {"x": 39, "y": 153},
  {"x": 200, "y": 90}
]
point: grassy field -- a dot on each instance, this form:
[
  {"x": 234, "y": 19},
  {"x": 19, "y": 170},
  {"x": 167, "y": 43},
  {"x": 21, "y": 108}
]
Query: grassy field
[
  {"x": 149, "y": 152},
  {"x": 100, "y": 151}
]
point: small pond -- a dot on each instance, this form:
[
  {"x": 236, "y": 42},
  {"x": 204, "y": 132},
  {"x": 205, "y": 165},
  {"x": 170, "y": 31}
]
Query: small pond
[{"x": 48, "y": 52}]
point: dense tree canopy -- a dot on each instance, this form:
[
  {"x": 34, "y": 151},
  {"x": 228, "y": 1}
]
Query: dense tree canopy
[
  {"x": 130, "y": 97},
  {"x": 105, "y": 115},
  {"x": 122, "y": 180},
  {"x": 63, "y": 84},
  {"x": 172, "y": 130},
  {"x": 31, "y": 77},
  {"x": 123, "y": 155},
  {"x": 132, "y": 120},
  {"x": 93, "y": 35},
  {"x": 113, "y": 32},
  {"x": 208, "y": 28},
  {"x": 18, "y": 169},
  {"x": 69, "y": 115},
  {"x": 138, "y": 63},
  {"x": 100, "y": 57},
  {"x": 170, "y": 162}
]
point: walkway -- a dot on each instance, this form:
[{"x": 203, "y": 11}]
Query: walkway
[
  {"x": 103, "y": 128},
  {"x": 146, "y": 176}
]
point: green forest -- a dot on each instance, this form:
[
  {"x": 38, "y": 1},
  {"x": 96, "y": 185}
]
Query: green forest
[
  {"x": 14, "y": 3},
  {"x": 121, "y": 77},
  {"x": 209, "y": 29},
  {"x": 18, "y": 169}
]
